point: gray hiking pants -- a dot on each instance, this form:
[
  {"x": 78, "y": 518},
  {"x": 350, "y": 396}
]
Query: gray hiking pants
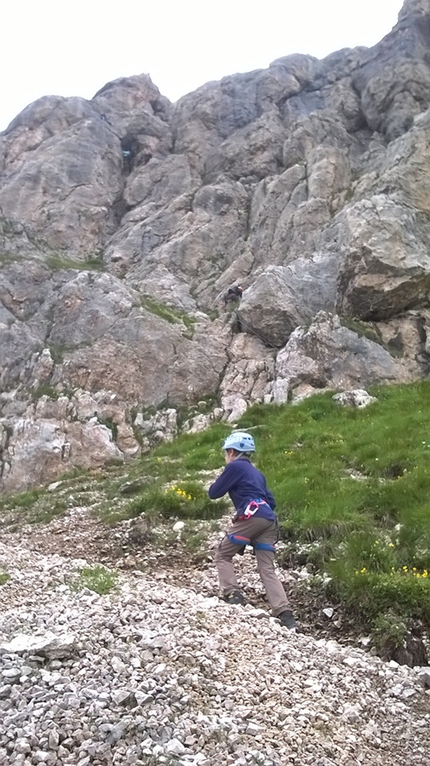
[{"x": 257, "y": 530}]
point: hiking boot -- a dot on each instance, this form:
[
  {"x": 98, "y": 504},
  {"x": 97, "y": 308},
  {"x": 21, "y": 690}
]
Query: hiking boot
[
  {"x": 235, "y": 597},
  {"x": 287, "y": 619}
]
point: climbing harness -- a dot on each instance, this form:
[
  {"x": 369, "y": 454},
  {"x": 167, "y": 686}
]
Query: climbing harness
[
  {"x": 244, "y": 541},
  {"x": 264, "y": 547},
  {"x": 239, "y": 539},
  {"x": 251, "y": 508}
]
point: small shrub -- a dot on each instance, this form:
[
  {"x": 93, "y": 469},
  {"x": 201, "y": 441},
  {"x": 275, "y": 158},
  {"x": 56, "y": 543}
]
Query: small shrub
[
  {"x": 98, "y": 579},
  {"x": 44, "y": 390},
  {"x": 371, "y": 594},
  {"x": 388, "y": 633},
  {"x": 363, "y": 551},
  {"x": 184, "y": 500},
  {"x": 109, "y": 423},
  {"x": 22, "y": 500},
  {"x": 4, "y": 578}
]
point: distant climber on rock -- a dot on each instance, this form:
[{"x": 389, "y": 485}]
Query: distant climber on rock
[
  {"x": 254, "y": 523},
  {"x": 233, "y": 295},
  {"x": 126, "y": 158}
]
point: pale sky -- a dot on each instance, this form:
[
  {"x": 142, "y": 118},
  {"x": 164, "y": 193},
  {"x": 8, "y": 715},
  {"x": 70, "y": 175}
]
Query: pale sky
[{"x": 73, "y": 49}]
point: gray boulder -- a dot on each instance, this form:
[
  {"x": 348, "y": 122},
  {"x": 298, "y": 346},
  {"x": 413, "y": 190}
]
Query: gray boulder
[{"x": 329, "y": 355}]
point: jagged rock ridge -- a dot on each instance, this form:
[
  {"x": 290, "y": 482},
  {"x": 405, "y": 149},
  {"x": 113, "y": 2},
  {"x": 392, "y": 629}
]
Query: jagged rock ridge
[{"x": 125, "y": 218}]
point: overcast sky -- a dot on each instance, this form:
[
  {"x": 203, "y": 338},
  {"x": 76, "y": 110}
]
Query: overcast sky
[{"x": 73, "y": 49}]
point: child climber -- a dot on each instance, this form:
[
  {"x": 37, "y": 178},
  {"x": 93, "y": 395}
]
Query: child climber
[{"x": 255, "y": 523}]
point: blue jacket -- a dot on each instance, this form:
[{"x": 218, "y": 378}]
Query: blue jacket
[{"x": 245, "y": 484}]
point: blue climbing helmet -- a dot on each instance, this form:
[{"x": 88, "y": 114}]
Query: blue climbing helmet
[{"x": 240, "y": 441}]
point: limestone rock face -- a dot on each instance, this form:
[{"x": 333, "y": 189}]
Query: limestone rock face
[
  {"x": 385, "y": 269},
  {"x": 77, "y": 169},
  {"x": 328, "y": 354},
  {"x": 124, "y": 219}
]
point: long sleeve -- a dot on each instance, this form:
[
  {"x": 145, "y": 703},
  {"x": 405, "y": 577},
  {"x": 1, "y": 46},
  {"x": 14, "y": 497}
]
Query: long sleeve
[
  {"x": 222, "y": 484},
  {"x": 243, "y": 482}
]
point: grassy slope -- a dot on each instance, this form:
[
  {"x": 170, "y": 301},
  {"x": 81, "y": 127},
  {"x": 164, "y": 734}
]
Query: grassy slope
[{"x": 352, "y": 488}]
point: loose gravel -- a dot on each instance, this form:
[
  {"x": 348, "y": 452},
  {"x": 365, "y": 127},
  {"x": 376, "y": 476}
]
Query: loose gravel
[{"x": 161, "y": 673}]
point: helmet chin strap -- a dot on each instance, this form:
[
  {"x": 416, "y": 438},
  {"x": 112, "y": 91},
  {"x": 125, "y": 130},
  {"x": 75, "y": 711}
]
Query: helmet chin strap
[{"x": 234, "y": 456}]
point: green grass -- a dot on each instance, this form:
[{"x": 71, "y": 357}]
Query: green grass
[
  {"x": 25, "y": 499},
  {"x": 98, "y": 579},
  {"x": 196, "y": 452},
  {"x": 40, "y": 506},
  {"x": 91, "y": 262},
  {"x": 356, "y": 484},
  {"x": 351, "y": 485},
  {"x": 4, "y": 578},
  {"x": 169, "y": 314},
  {"x": 352, "y": 489}
]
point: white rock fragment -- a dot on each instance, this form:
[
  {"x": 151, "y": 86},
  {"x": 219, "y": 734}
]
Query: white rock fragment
[
  {"x": 356, "y": 398},
  {"x": 178, "y": 526},
  {"x": 48, "y": 645},
  {"x": 175, "y": 747},
  {"x": 328, "y": 611}
]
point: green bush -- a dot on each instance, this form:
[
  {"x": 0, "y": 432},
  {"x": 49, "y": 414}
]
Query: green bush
[
  {"x": 372, "y": 594},
  {"x": 183, "y": 500},
  {"x": 98, "y": 579},
  {"x": 389, "y": 632}
]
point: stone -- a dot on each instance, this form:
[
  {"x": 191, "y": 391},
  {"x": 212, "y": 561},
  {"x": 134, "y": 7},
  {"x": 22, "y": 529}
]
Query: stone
[
  {"x": 49, "y": 645},
  {"x": 328, "y": 611},
  {"x": 175, "y": 747},
  {"x": 329, "y": 355},
  {"x": 357, "y": 398}
]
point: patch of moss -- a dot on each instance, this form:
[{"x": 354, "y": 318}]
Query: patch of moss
[
  {"x": 362, "y": 329},
  {"x": 60, "y": 261},
  {"x": 169, "y": 314},
  {"x": 371, "y": 331},
  {"x": 44, "y": 390},
  {"x": 109, "y": 423}
]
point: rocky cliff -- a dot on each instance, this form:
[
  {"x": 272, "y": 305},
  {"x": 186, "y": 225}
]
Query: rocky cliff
[{"x": 125, "y": 218}]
